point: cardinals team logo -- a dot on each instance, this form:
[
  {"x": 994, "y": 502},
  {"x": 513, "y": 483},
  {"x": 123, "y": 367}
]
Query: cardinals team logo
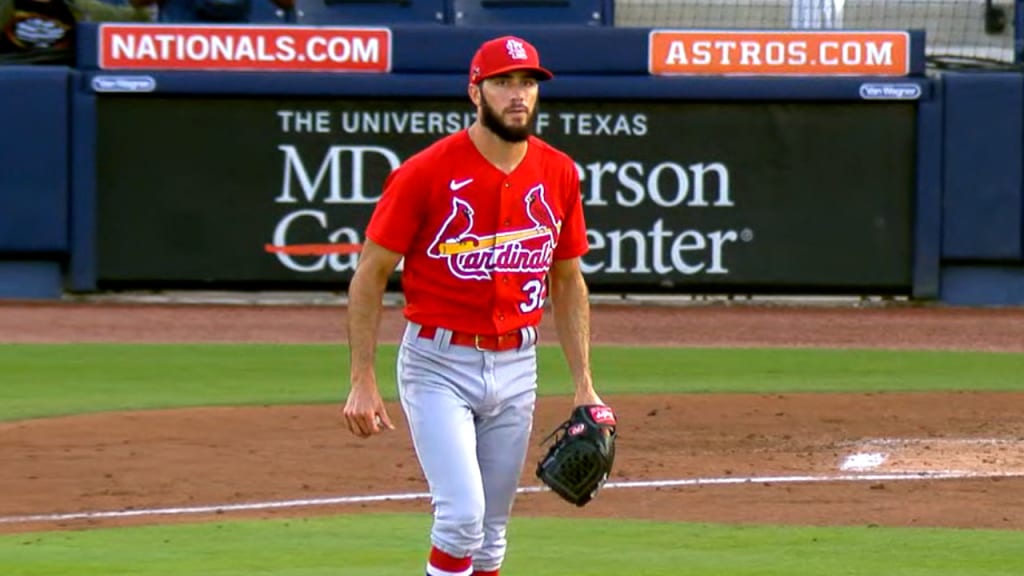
[
  {"x": 516, "y": 50},
  {"x": 474, "y": 257}
]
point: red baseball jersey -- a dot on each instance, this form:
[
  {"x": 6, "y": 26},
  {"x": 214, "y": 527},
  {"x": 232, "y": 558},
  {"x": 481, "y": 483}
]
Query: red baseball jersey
[{"x": 478, "y": 243}]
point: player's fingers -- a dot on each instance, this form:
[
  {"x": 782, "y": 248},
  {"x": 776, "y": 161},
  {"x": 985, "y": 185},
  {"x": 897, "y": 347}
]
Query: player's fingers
[
  {"x": 347, "y": 413},
  {"x": 384, "y": 419},
  {"x": 366, "y": 424},
  {"x": 348, "y": 419},
  {"x": 352, "y": 427},
  {"x": 356, "y": 424}
]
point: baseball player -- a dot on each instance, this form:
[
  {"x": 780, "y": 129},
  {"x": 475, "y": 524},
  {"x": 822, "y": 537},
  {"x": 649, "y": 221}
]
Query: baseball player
[{"x": 488, "y": 220}]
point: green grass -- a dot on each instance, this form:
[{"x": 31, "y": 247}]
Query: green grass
[
  {"x": 45, "y": 380},
  {"x": 395, "y": 545}
]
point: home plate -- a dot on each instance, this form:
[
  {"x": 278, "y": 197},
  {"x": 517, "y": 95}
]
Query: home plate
[{"x": 863, "y": 461}]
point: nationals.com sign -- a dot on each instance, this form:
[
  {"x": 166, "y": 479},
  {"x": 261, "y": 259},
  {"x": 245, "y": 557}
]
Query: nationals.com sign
[{"x": 263, "y": 48}]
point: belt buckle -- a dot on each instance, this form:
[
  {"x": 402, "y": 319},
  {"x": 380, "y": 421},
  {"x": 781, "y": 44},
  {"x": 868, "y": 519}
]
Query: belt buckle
[{"x": 476, "y": 343}]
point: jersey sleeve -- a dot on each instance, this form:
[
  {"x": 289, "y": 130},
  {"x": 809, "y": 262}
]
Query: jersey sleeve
[
  {"x": 572, "y": 240},
  {"x": 396, "y": 217}
]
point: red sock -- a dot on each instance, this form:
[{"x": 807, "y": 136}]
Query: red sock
[
  {"x": 444, "y": 564},
  {"x": 485, "y": 573}
]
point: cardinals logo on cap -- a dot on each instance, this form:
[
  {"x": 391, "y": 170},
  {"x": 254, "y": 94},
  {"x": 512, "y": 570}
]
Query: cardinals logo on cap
[
  {"x": 504, "y": 55},
  {"x": 516, "y": 50}
]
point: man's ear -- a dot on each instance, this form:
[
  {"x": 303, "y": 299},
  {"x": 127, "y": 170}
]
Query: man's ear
[{"x": 474, "y": 93}]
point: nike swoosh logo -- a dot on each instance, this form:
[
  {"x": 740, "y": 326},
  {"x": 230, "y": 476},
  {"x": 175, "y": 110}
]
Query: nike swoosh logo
[{"x": 460, "y": 184}]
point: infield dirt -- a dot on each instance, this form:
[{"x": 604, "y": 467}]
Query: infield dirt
[{"x": 217, "y": 456}]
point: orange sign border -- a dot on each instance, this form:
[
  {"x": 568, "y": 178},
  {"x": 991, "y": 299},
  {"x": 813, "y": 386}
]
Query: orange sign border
[
  {"x": 660, "y": 39},
  {"x": 106, "y": 30}
]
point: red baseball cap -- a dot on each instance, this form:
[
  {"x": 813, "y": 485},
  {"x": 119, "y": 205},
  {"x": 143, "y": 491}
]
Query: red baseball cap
[{"x": 503, "y": 55}]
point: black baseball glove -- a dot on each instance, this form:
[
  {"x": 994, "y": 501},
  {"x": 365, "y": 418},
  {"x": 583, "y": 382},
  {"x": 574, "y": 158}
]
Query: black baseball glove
[{"x": 580, "y": 460}]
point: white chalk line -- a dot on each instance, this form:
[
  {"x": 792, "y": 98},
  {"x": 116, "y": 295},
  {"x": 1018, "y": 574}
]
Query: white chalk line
[
  {"x": 279, "y": 504},
  {"x": 905, "y": 442}
]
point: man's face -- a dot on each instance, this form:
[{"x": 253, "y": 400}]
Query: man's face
[{"x": 508, "y": 105}]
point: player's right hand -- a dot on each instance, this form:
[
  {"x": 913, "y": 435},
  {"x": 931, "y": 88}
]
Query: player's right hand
[{"x": 364, "y": 411}]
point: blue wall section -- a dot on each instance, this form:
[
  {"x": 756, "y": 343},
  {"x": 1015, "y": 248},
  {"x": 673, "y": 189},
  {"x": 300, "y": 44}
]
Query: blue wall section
[
  {"x": 982, "y": 210},
  {"x": 34, "y": 159},
  {"x": 30, "y": 279},
  {"x": 928, "y": 207},
  {"x": 82, "y": 264},
  {"x": 983, "y": 285},
  {"x": 578, "y": 86},
  {"x": 419, "y": 49}
]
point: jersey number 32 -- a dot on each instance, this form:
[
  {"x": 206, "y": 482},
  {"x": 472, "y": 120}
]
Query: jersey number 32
[{"x": 534, "y": 291}]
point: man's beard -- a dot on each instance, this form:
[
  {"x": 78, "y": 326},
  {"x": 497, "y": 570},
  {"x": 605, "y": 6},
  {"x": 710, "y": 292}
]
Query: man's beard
[{"x": 492, "y": 119}]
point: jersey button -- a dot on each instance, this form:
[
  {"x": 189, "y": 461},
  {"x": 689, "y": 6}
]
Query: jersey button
[
  {"x": 505, "y": 280},
  {"x": 508, "y": 222},
  {"x": 507, "y": 185},
  {"x": 501, "y": 316}
]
